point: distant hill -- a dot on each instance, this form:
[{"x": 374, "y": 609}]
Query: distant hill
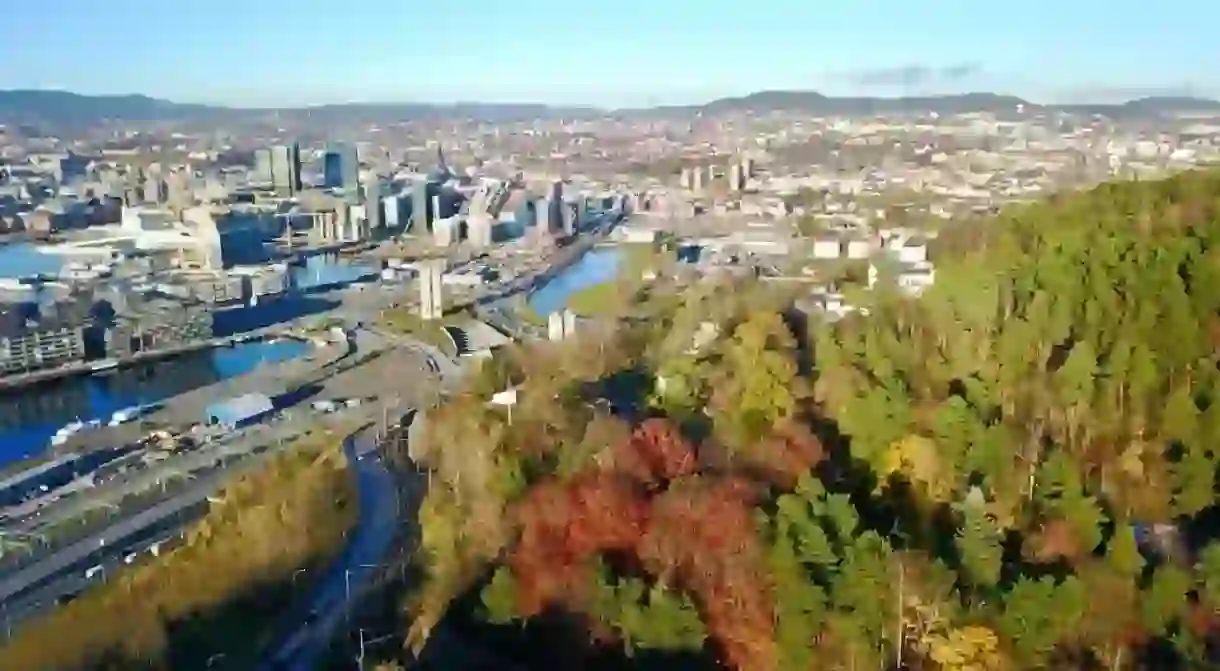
[
  {"x": 862, "y": 106},
  {"x": 817, "y": 103},
  {"x": 62, "y": 109}
]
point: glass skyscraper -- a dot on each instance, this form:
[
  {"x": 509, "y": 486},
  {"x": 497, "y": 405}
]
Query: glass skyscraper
[{"x": 341, "y": 168}]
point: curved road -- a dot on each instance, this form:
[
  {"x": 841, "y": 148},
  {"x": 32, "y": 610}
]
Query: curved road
[{"x": 311, "y": 628}]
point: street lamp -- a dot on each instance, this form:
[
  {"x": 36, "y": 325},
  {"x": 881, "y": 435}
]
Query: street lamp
[{"x": 347, "y": 579}]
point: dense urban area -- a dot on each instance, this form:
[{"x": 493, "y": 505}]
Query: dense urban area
[{"x": 774, "y": 382}]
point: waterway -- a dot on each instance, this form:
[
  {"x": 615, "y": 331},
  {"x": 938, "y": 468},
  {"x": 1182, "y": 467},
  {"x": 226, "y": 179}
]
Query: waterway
[
  {"x": 23, "y": 259},
  {"x": 598, "y": 265},
  {"x": 30, "y": 416},
  {"x": 328, "y": 270}
]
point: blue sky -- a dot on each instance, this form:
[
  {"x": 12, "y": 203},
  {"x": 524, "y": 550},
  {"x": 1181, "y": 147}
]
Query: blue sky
[{"x": 615, "y": 52}]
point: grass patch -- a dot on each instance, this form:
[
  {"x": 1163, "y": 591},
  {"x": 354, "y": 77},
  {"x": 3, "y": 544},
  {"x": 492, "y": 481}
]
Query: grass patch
[
  {"x": 605, "y": 298},
  {"x": 216, "y": 593},
  {"x": 404, "y": 322}
]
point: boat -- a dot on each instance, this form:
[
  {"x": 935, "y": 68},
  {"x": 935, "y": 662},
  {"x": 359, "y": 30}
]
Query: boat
[
  {"x": 104, "y": 365},
  {"x": 66, "y": 431},
  {"x": 124, "y": 415}
]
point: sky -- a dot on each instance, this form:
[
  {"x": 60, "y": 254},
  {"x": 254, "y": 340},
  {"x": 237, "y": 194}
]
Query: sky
[{"x": 611, "y": 53}]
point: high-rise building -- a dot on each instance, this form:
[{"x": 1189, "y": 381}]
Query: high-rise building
[
  {"x": 543, "y": 214},
  {"x": 697, "y": 179},
  {"x": 736, "y": 182},
  {"x": 178, "y": 190},
  {"x": 262, "y": 167},
  {"x": 73, "y": 168},
  {"x": 154, "y": 188},
  {"x": 286, "y": 169},
  {"x": 479, "y": 229},
  {"x": 341, "y": 168},
  {"x": 570, "y": 214},
  {"x": 391, "y": 208},
  {"x": 421, "y": 219},
  {"x": 446, "y": 231},
  {"x": 685, "y": 179},
  {"x": 561, "y": 325},
  {"x": 373, "y": 205}
]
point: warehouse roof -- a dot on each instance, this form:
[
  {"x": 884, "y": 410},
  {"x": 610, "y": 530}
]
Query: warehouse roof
[{"x": 243, "y": 408}]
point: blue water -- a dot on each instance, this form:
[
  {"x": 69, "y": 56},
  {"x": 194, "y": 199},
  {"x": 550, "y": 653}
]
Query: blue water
[
  {"x": 325, "y": 270},
  {"x": 595, "y": 267},
  {"x": 23, "y": 260},
  {"x": 30, "y": 416}
]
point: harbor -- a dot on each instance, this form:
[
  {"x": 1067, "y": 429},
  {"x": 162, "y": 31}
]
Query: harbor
[{"x": 32, "y": 417}]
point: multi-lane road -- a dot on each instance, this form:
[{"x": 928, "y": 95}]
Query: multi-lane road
[
  {"x": 25, "y": 592},
  {"x": 309, "y": 630}
]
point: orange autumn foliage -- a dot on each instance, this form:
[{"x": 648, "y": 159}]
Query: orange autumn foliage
[{"x": 694, "y": 532}]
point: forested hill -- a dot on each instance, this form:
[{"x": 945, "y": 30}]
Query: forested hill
[{"x": 1014, "y": 471}]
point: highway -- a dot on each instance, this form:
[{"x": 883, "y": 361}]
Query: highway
[
  {"x": 25, "y": 592},
  {"x": 54, "y": 576},
  {"x": 310, "y": 629},
  {"x": 40, "y": 584}
]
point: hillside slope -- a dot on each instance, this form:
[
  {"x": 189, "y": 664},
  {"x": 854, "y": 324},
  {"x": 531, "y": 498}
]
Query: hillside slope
[{"x": 1015, "y": 471}]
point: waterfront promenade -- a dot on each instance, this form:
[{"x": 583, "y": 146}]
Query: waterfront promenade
[{"x": 86, "y": 367}]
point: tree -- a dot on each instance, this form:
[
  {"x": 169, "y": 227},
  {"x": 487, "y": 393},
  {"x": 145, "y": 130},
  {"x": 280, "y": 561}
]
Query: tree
[{"x": 757, "y": 385}]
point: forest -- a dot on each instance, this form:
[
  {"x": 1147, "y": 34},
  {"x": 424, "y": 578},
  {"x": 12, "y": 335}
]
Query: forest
[
  {"x": 1014, "y": 471},
  {"x": 212, "y": 600}
]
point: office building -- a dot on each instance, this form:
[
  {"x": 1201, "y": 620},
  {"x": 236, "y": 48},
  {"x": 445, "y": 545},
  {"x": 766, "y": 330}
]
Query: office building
[
  {"x": 73, "y": 168},
  {"x": 543, "y": 215},
  {"x": 561, "y": 325},
  {"x": 736, "y": 180},
  {"x": 391, "y": 209},
  {"x": 155, "y": 190},
  {"x": 286, "y": 169},
  {"x": 421, "y": 218},
  {"x": 341, "y": 169},
  {"x": 262, "y": 167},
  {"x": 479, "y": 229},
  {"x": 342, "y": 223},
  {"x": 178, "y": 192},
  {"x": 447, "y": 231},
  {"x": 697, "y": 179},
  {"x": 570, "y": 214},
  {"x": 373, "y": 205}
]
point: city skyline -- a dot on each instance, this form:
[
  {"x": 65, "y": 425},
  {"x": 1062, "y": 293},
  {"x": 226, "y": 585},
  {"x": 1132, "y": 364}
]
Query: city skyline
[{"x": 628, "y": 54}]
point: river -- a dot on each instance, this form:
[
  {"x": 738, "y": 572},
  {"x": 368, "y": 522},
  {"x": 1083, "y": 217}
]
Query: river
[
  {"x": 31, "y": 415},
  {"x": 598, "y": 265}
]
